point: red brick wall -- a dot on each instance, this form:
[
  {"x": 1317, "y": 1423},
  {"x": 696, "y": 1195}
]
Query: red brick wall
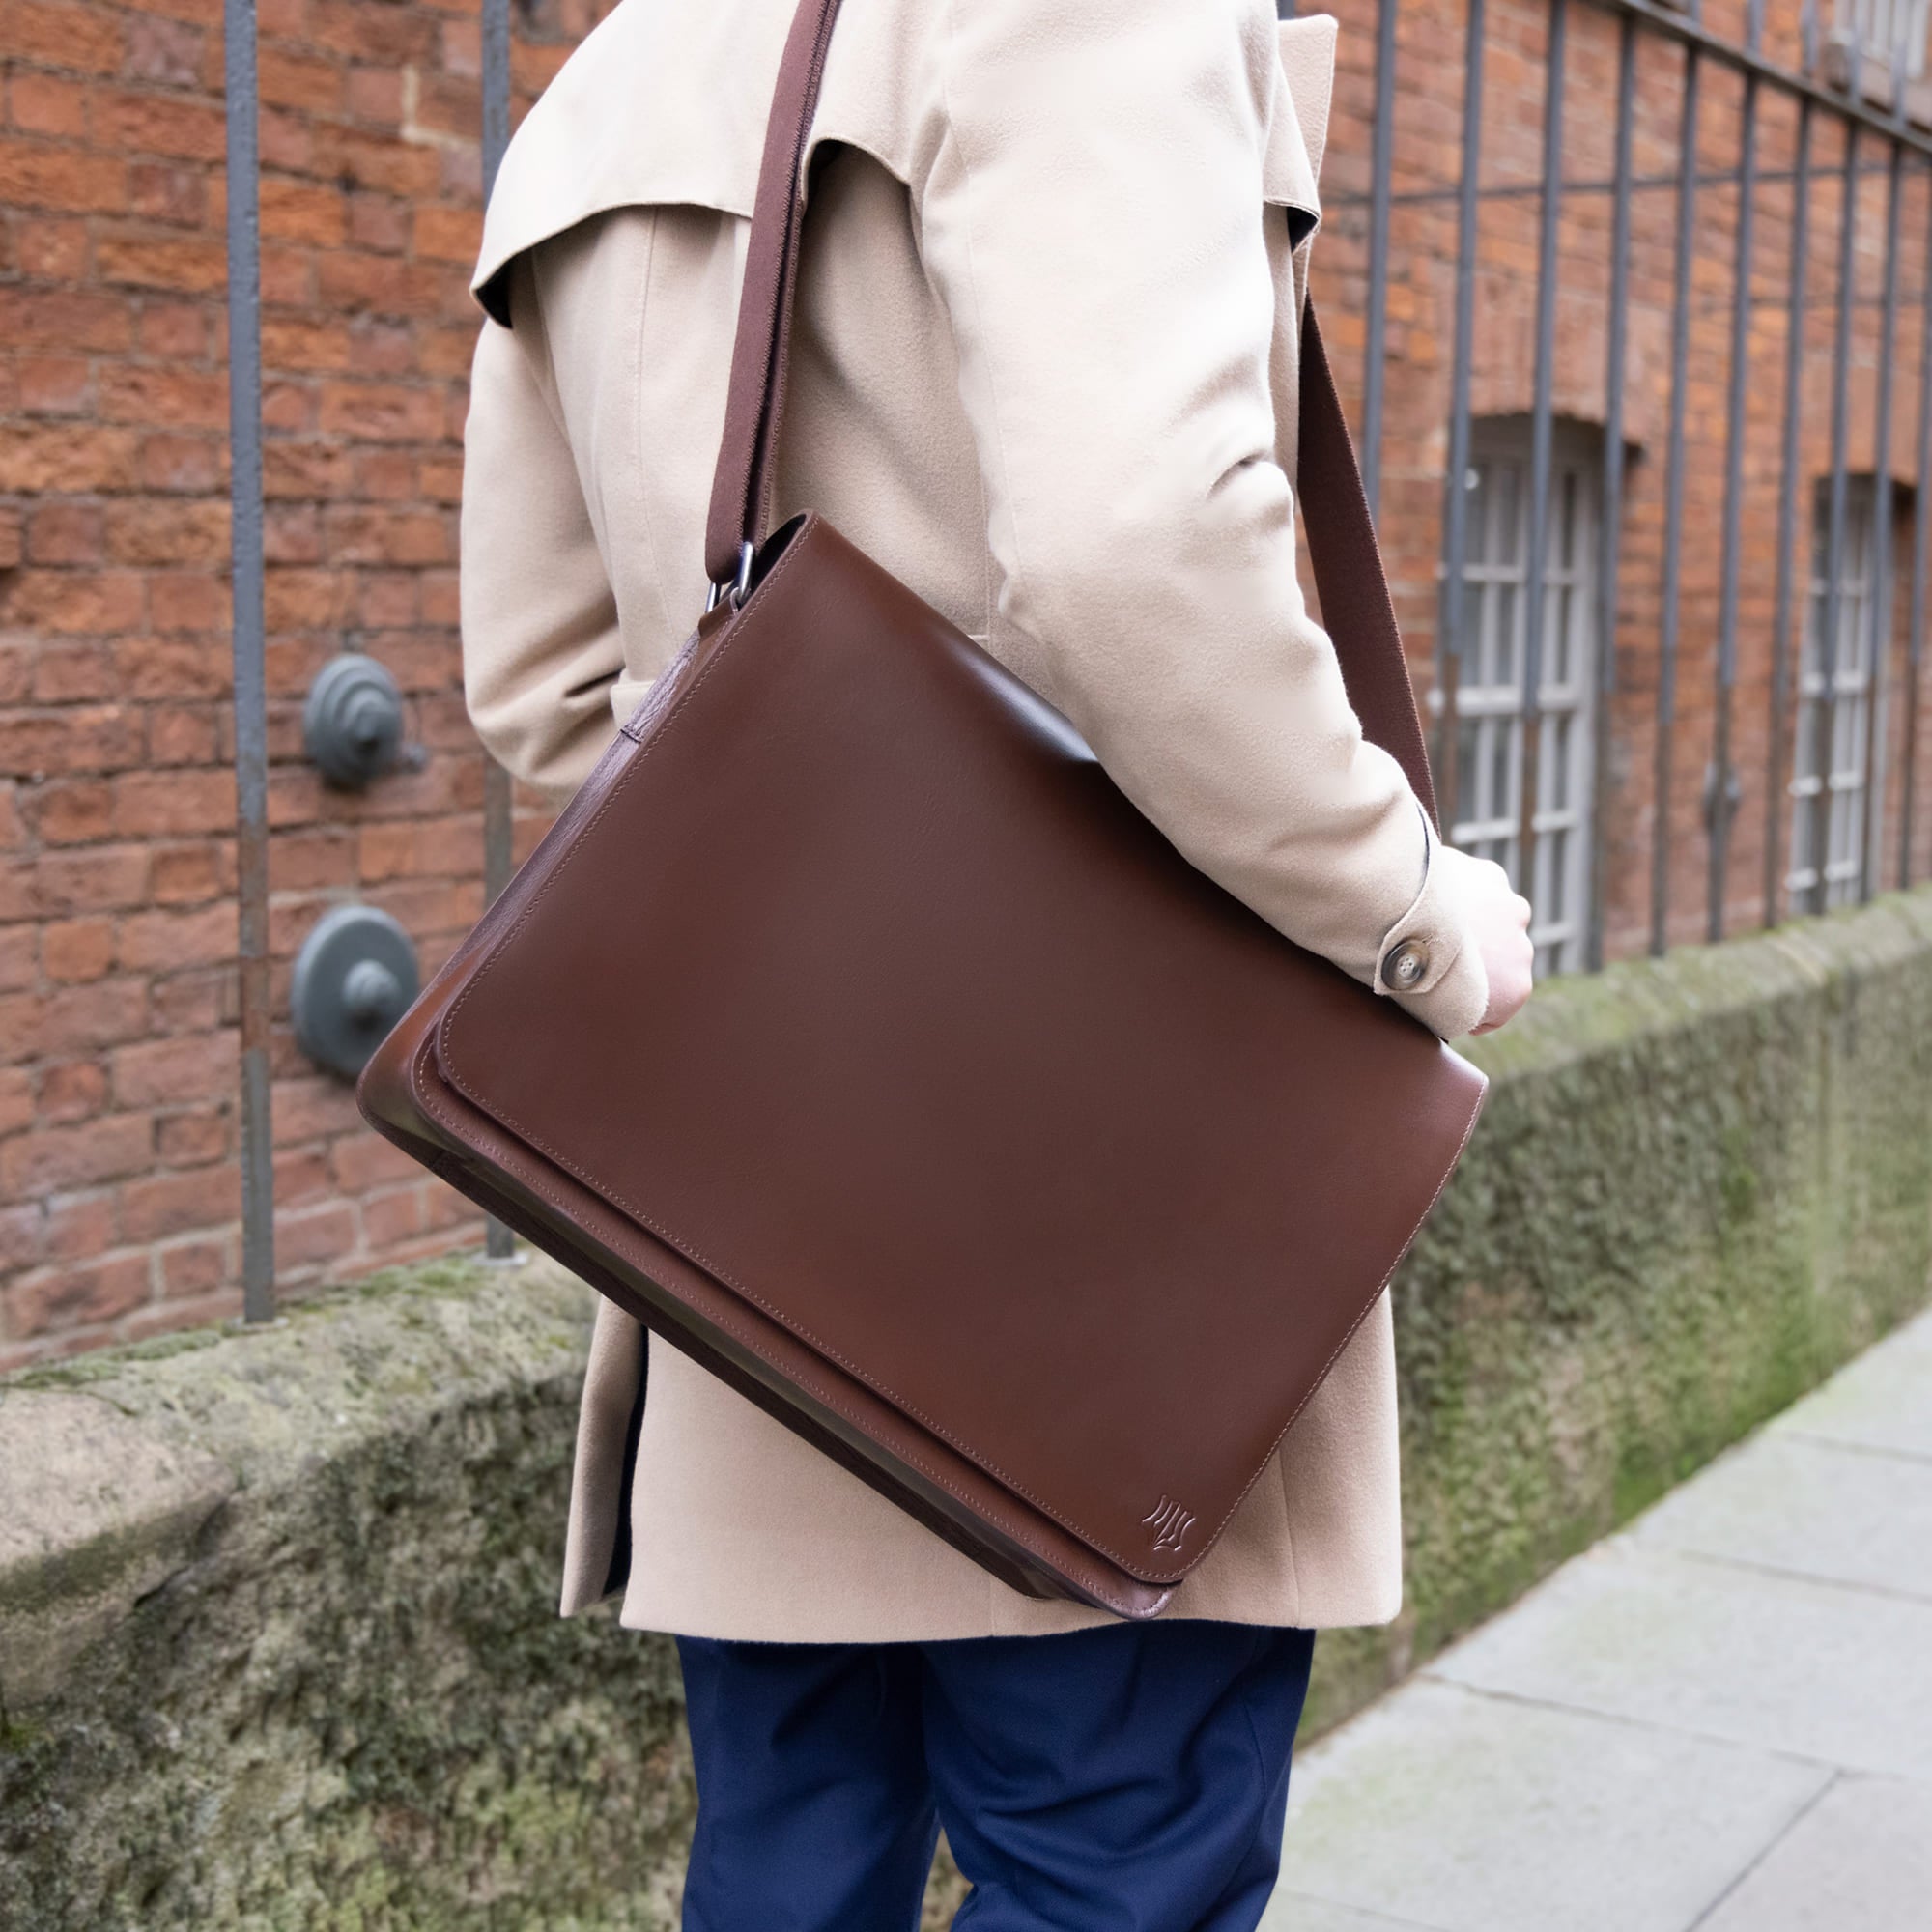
[{"x": 117, "y": 1179}]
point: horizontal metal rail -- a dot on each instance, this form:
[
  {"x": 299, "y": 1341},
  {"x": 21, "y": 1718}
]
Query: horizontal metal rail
[{"x": 1576, "y": 187}]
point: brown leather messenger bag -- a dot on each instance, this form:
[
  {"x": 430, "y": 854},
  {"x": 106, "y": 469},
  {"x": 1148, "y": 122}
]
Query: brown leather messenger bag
[{"x": 852, "y": 1030}]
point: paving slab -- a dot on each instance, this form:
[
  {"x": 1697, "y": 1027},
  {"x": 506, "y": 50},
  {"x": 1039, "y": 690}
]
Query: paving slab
[
  {"x": 1720, "y": 1720},
  {"x": 1859, "y": 1860},
  {"x": 1293, "y": 1912},
  {"x": 1812, "y": 1507},
  {"x": 1882, "y": 1400},
  {"x": 1458, "y": 1812},
  {"x": 1822, "y": 1671}
]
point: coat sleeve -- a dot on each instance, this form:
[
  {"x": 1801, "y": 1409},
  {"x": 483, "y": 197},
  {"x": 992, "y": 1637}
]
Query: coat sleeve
[
  {"x": 541, "y": 647},
  {"x": 1091, "y": 213}
]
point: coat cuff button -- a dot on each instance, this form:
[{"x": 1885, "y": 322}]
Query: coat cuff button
[{"x": 1405, "y": 966}]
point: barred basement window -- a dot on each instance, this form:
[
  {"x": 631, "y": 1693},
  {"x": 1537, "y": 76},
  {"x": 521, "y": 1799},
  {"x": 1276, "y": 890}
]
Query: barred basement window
[
  {"x": 1832, "y": 875},
  {"x": 1887, "y": 30},
  {"x": 1490, "y": 691},
  {"x": 1886, "y": 40}
]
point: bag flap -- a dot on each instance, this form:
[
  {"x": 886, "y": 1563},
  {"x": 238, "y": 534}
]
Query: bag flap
[{"x": 866, "y": 991}]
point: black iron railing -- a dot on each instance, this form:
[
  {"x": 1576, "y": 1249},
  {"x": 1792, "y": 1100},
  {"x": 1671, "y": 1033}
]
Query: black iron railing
[
  {"x": 1790, "y": 653},
  {"x": 1882, "y": 132}
]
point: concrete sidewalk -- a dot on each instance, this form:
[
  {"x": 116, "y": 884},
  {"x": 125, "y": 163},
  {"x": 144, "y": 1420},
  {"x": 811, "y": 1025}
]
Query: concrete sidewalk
[{"x": 1720, "y": 1719}]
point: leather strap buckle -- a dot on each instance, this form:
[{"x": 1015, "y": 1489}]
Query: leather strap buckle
[{"x": 737, "y": 588}]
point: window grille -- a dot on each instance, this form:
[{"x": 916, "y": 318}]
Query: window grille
[
  {"x": 1877, "y": 50},
  {"x": 1489, "y": 689},
  {"x": 1887, "y": 31},
  {"x": 1832, "y": 876}
]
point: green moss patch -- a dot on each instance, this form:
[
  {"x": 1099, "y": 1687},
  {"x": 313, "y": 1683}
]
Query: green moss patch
[{"x": 1700, "y": 1185}]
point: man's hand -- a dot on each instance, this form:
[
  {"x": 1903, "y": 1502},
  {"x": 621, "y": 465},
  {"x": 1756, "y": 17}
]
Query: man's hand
[{"x": 1500, "y": 925}]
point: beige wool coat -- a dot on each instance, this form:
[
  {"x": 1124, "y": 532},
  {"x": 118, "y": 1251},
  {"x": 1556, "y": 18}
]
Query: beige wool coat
[{"x": 1046, "y": 372}]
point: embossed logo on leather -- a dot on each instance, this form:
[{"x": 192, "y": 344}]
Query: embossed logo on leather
[{"x": 1170, "y": 1523}]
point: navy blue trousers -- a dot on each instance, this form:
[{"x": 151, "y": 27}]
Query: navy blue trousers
[{"x": 1126, "y": 1779}]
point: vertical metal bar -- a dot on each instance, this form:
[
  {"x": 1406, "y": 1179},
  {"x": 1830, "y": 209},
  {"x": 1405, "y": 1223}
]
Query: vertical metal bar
[
  {"x": 1873, "y": 826},
  {"x": 496, "y": 90},
  {"x": 1899, "y": 58},
  {"x": 1777, "y": 792},
  {"x": 1817, "y": 813},
  {"x": 1540, "y": 440},
  {"x": 1673, "y": 511},
  {"x": 1455, "y": 502},
  {"x": 1738, "y": 404},
  {"x": 499, "y": 830},
  {"x": 1922, "y": 564},
  {"x": 248, "y": 633},
  {"x": 1611, "y": 529},
  {"x": 1380, "y": 194}
]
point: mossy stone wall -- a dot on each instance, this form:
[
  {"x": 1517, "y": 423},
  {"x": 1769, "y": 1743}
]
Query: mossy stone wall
[
  {"x": 1700, "y": 1185},
  {"x": 276, "y": 1648}
]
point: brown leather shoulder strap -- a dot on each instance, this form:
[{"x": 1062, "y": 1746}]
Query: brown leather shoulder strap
[
  {"x": 757, "y": 396},
  {"x": 1348, "y": 575}
]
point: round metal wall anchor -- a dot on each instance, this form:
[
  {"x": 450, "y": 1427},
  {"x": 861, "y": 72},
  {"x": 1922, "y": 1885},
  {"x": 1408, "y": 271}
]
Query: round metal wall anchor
[
  {"x": 355, "y": 978},
  {"x": 1718, "y": 812},
  {"x": 353, "y": 721}
]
